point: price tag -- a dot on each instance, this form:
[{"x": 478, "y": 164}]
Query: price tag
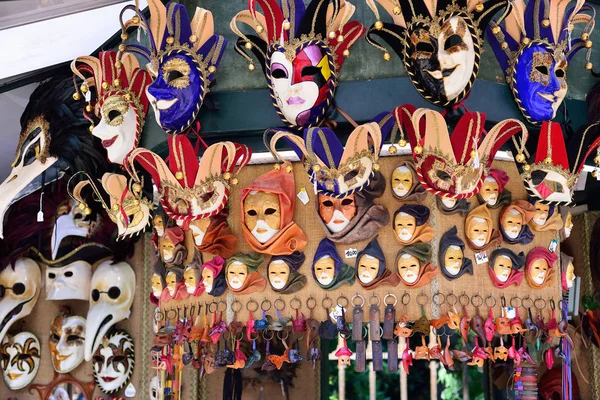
[
  {"x": 40, "y": 216},
  {"x": 553, "y": 245},
  {"x": 88, "y": 96},
  {"x": 303, "y": 196},
  {"x": 336, "y": 312},
  {"x": 509, "y": 312},
  {"x": 130, "y": 390},
  {"x": 481, "y": 258},
  {"x": 350, "y": 253}
]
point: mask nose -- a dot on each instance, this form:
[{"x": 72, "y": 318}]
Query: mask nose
[
  {"x": 553, "y": 84},
  {"x": 159, "y": 90}
]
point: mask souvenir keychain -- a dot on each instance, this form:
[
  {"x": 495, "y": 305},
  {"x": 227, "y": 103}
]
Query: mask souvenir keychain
[
  {"x": 410, "y": 224},
  {"x": 327, "y": 329},
  {"x": 371, "y": 271},
  {"x": 514, "y": 222},
  {"x": 375, "y": 332},
  {"x": 312, "y": 334},
  {"x": 301, "y": 50}
]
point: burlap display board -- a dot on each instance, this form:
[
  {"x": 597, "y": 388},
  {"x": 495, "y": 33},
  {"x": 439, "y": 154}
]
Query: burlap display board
[{"x": 307, "y": 218}]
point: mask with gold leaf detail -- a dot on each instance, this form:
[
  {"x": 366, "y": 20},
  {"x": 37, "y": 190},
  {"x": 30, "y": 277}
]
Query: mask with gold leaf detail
[{"x": 19, "y": 359}]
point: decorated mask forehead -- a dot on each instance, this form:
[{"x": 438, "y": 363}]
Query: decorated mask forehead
[
  {"x": 66, "y": 343},
  {"x": 367, "y": 268},
  {"x": 19, "y": 359},
  {"x": 69, "y": 282},
  {"x": 409, "y": 267},
  {"x": 453, "y": 259},
  {"x": 324, "y": 270},
  {"x": 512, "y": 223},
  {"x": 113, "y": 361}
]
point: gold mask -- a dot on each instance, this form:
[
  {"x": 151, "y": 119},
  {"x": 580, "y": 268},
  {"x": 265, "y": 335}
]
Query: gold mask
[
  {"x": 368, "y": 267},
  {"x": 453, "y": 259},
  {"x": 262, "y": 215},
  {"x": 502, "y": 268},
  {"x": 408, "y": 267},
  {"x": 237, "y": 274},
  {"x": 402, "y": 181},
  {"x": 405, "y": 226}
]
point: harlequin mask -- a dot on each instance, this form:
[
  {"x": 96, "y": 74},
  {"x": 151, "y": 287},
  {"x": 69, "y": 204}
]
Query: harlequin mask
[
  {"x": 20, "y": 288},
  {"x": 454, "y": 166},
  {"x": 183, "y": 55},
  {"x": 111, "y": 297},
  {"x": 505, "y": 268},
  {"x": 191, "y": 276},
  {"x": 439, "y": 42},
  {"x": 120, "y": 104},
  {"x": 539, "y": 269},
  {"x": 301, "y": 51},
  {"x": 66, "y": 342},
  {"x": 113, "y": 361},
  {"x": 534, "y": 47},
  {"x": 452, "y": 258},
  {"x": 19, "y": 359}
]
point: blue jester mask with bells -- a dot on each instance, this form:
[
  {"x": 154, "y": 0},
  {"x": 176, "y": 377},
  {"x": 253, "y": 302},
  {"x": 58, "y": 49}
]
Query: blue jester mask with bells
[
  {"x": 534, "y": 46},
  {"x": 184, "y": 57},
  {"x": 301, "y": 51}
]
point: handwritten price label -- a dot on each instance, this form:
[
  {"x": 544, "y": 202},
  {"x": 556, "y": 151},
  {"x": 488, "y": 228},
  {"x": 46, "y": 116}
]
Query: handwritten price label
[
  {"x": 481, "y": 258},
  {"x": 350, "y": 253}
]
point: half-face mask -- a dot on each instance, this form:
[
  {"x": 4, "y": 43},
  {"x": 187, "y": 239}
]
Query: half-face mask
[
  {"x": 283, "y": 275},
  {"x": 440, "y": 43},
  {"x": 505, "y": 268},
  {"x": 111, "y": 297},
  {"x": 66, "y": 343},
  {"x": 213, "y": 277},
  {"x": 493, "y": 192},
  {"x": 370, "y": 267},
  {"x": 113, "y": 361},
  {"x": 120, "y": 101},
  {"x": 241, "y": 275},
  {"x": 479, "y": 229},
  {"x": 20, "y": 288},
  {"x": 545, "y": 218},
  {"x": 329, "y": 271},
  {"x": 453, "y": 261},
  {"x": 534, "y": 49},
  {"x": 539, "y": 267},
  {"x": 413, "y": 265},
  {"x": 191, "y": 190},
  {"x": 514, "y": 220},
  {"x": 567, "y": 269},
  {"x": 268, "y": 209},
  {"x": 405, "y": 185},
  {"x": 183, "y": 56},
  {"x": 455, "y": 166},
  {"x": 301, "y": 51},
  {"x": 19, "y": 359},
  {"x": 410, "y": 224},
  {"x": 191, "y": 277}
]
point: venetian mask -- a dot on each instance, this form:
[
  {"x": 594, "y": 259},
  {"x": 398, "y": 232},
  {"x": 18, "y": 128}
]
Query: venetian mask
[
  {"x": 168, "y": 249},
  {"x": 19, "y": 359},
  {"x": 336, "y": 213},
  {"x": 325, "y": 270},
  {"x": 237, "y": 273},
  {"x": 570, "y": 275},
  {"x": 158, "y": 223},
  {"x": 490, "y": 191},
  {"x": 479, "y": 231},
  {"x": 500, "y": 353},
  {"x": 69, "y": 282},
  {"x": 502, "y": 268},
  {"x": 113, "y": 362},
  {"x": 207, "y": 279},
  {"x": 404, "y": 226},
  {"x": 263, "y": 215},
  {"x": 279, "y": 274},
  {"x": 409, "y": 267},
  {"x": 538, "y": 271},
  {"x": 402, "y": 180},
  {"x": 111, "y": 297},
  {"x": 66, "y": 343},
  {"x": 568, "y": 225},
  {"x": 191, "y": 277},
  {"x": 448, "y": 202},
  {"x": 19, "y": 291},
  {"x": 171, "y": 280},
  {"x": 157, "y": 285},
  {"x": 70, "y": 222},
  {"x": 453, "y": 259},
  {"x": 199, "y": 228},
  {"x": 542, "y": 212},
  {"x": 367, "y": 268},
  {"x": 512, "y": 223}
]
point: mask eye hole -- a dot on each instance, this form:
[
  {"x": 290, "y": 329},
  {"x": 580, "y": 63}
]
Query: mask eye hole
[
  {"x": 69, "y": 274},
  {"x": 252, "y": 213},
  {"x": 560, "y": 73},
  {"x": 347, "y": 202},
  {"x": 542, "y": 69},
  {"x": 114, "y": 292},
  {"x": 172, "y": 75},
  {"x": 278, "y": 71},
  {"x": 424, "y": 47},
  {"x": 18, "y": 289},
  {"x": 311, "y": 71},
  {"x": 328, "y": 203},
  {"x": 113, "y": 114},
  {"x": 443, "y": 175},
  {"x": 95, "y": 295},
  {"x": 270, "y": 211},
  {"x": 51, "y": 275},
  {"x": 452, "y": 41}
]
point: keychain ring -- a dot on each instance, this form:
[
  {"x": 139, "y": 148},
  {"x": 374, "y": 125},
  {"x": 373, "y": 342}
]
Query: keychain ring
[
  {"x": 465, "y": 302},
  {"x": 452, "y": 296},
  {"x": 330, "y": 303},
  {"x": 345, "y": 336},
  {"x": 561, "y": 302},
  {"x": 541, "y": 301},
  {"x": 365, "y": 331},
  {"x": 268, "y": 338},
  {"x": 371, "y": 299},
  {"x": 420, "y": 296},
  {"x": 345, "y": 298},
  {"x": 530, "y": 302},
  {"x": 479, "y": 300},
  {"x": 255, "y": 308},
  {"x": 295, "y": 301},
  {"x": 239, "y": 338},
  {"x": 512, "y": 303},
  {"x": 278, "y": 301},
  {"x": 159, "y": 315},
  {"x": 313, "y": 301},
  {"x": 210, "y": 305},
  {"x": 219, "y": 304},
  {"x": 268, "y": 305},
  {"x": 390, "y": 295},
  {"x": 255, "y": 337},
  {"x": 406, "y": 295},
  {"x": 236, "y": 306},
  {"x": 491, "y": 298},
  {"x": 435, "y": 298},
  {"x": 226, "y": 335},
  {"x": 503, "y": 301},
  {"x": 168, "y": 314},
  {"x": 552, "y": 304},
  {"x": 298, "y": 337},
  {"x": 287, "y": 334},
  {"x": 362, "y": 302}
]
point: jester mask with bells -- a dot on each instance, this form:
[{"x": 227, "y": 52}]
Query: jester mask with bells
[
  {"x": 346, "y": 178},
  {"x": 410, "y": 224},
  {"x": 20, "y": 287},
  {"x": 539, "y": 267},
  {"x": 127, "y": 207},
  {"x": 413, "y": 264},
  {"x": 54, "y": 141},
  {"x": 493, "y": 190},
  {"x": 567, "y": 272},
  {"x": 183, "y": 55},
  {"x": 190, "y": 190},
  {"x": 514, "y": 220},
  {"x": 370, "y": 267},
  {"x": 241, "y": 273},
  {"x": 213, "y": 277},
  {"x": 301, "y": 51},
  {"x": 439, "y": 42},
  {"x": 545, "y": 218},
  {"x": 479, "y": 229},
  {"x": 328, "y": 269},
  {"x": 505, "y": 268},
  {"x": 534, "y": 46},
  {"x": 283, "y": 274},
  {"x": 552, "y": 176},
  {"x": 455, "y": 166},
  {"x": 111, "y": 297},
  {"x": 120, "y": 101},
  {"x": 19, "y": 359},
  {"x": 66, "y": 342},
  {"x": 113, "y": 361},
  {"x": 453, "y": 261}
]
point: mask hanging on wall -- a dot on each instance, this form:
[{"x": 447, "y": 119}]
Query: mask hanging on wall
[
  {"x": 66, "y": 342},
  {"x": 158, "y": 282},
  {"x": 283, "y": 275},
  {"x": 451, "y": 206},
  {"x": 440, "y": 43},
  {"x": 301, "y": 51},
  {"x": 183, "y": 56},
  {"x": 113, "y": 361},
  {"x": 241, "y": 273},
  {"x": 505, "y": 268},
  {"x": 175, "y": 286},
  {"x": 414, "y": 267},
  {"x": 173, "y": 251},
  {"x": 567, "y": 272},
  {"x": 534, "y": 47},
  {"x": 371, "y": 272},
  {"x": 111, "y": 297},
  {"x": 410, "y": 224},
  {"x": 213, "y": 235},
  {"x": 493, "y": 191},
  {"x": 19, "y": 359},
  {"x": 191, "y": 277},
  {"x": 545, "y": 218},
  {"x": 514, "y": 220},
  {"x": 120, "y": 101},
  {"x": 567, "y": 217},
  {"x": 328, "y": 269},
  {"x": 213, "y": 277},
  {"x": 539, "y": 267},
  {"x": 479, "y": 229},
  {"x": 405, "y": 184},
  {"x": 453, "y": 262}
]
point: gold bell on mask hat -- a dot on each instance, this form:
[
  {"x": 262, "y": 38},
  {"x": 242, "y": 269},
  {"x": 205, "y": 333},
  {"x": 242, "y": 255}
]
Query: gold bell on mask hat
[
  {"x": 340, "y": 38},
  {"x": 287, "y": 25},
  {"x": 378, "y": 25},
  {"x": 91, "y": 128},
  {"x": 122, "y": 47},
  {"x": 473, "y": 154},
  {"x": 402, "y": 143},
  {"x": 526, "y": 167},
  {"x": 331, "y": 35},
  {"x": 76, "y": 96},
  {"x": 212, "y": 69},
  {"x": 597, "y": 160},
  {"x": 178, "y": 175},
  {"x": 392, "y": 149},
  {"x": 84, "y": 88},
  {"x": 496, "y": 30},
  {"x": 135, "y": 20},
  {"x": 520, "y": 157},
  {"x": 88, "y": 108},
  {"x": 124, "y": 36},
  {"x": 136, "y": 187},
  {"x": 234, "y": 181},
  {"x": 545, "y": 23},
  {"x": 316, "y": 168},
  {"x": 387, "y": 56},
  {"x": 227, "y": 176},
  {"x": 277, "y": 167},
  {"x": 251, "y": 67},
  {"x": 87, "y": 211},
  {"x": 397, "y": 10},
  {"x": 589, "y": 66},
  {"x": 346, "y": 53},
  {"x": 594, "y": 174},
  {"x": 170, "y": 40},
  {"x": 418, "y": 149},
  {"x": 248, "y": 45},
  {"x": 479, "y": 7},
  {"x": 548, "y": 160},
  {"x": 259, "y": 28},
  {"x": 193, "y": 39},
  {"x": 588, "y": 44},
  {"x": 376, "y": 167},
  {"x": 289, "y": 169}
]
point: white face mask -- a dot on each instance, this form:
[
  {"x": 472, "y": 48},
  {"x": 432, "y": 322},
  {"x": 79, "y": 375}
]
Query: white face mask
[
  {"x": 339, "y": 226},
  {"x": 410, "y": 276},
  {"x": 19, "y": 359},
  {"x": 540, "y": 278},
  {"x": 66, "y": 343},
  {"x": 70, "y": 224},
  {"x": 453, "y": 269},
  {"x": 167, "y": 255},
  {"x": 235, "y": 283},
  {"x": 208, "y": 287},
  {"x": 111, "y": 375},
  {"x": 71, "y": 282},
  {"x": 278, "y": 283},
  {"x": 170, "y": 288},
  {"x": 448, "y": 202},
  {"x": 119, "y": 133},
  {"x": 405, "y": 234},
  {"x": 324, "y": 279},
  {"x": 263, "y": 237},
  {"x": 479, "y": 241},
  {"x": 540, "y": 219}
]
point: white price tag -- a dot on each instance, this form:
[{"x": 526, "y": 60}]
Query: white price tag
[
  {"x": 350, "y": 253},
  {"x": 130, "y": 390},
  {"x": 88, "y": 96},
  {"x": 552, "y": 246},
  {"x": 40, "y": 216},
  {"x": 509, "y": 312},
  {"x": 303, "y": 196},
  {"x": 481, "y": 258},
  {"x": 336, "y": 312}
]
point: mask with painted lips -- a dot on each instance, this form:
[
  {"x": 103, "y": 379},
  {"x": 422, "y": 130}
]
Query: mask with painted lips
[
  {"x": 113, "y": 362},
  {"x": 489, "y": 191},
  {"x": 453, "y": 259},
  {"x": 117, "y": 128},
  {"x": 512, "y": 223},
  {"x": 19, "y": 359},
  {"x": 502, "y": 268},
  {"x": 409, "y": 267},
  {"x": 368, "y": 267},
  {"x": 402, "y": 180},
  {"x": 336, "y": 213},
  {"x": 325, "y": 270},
  {"x": 66, "y": 342},
  {"x": 538, "y": 271},
  {"x": 263, "y": 215},
  {"x": 479, "y": 232},
  {"x": 237, "y": 273},
  {"x": 405, "y": 226},
  {"x": 279, "y": 273}
]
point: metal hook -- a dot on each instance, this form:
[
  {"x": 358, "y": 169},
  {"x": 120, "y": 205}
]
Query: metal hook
[
  {"x": 362, "y": 302},
  {"x": 390, "y": 295},
  {"x": 374, "y": 295}
]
